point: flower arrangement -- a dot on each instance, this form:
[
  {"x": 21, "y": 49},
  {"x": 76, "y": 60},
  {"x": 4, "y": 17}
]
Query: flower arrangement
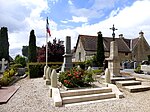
[{"x": 76, "y": 78}]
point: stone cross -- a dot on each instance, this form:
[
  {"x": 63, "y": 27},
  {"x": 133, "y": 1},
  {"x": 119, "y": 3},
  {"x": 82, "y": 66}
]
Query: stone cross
[
  {"x": 113, "y": 34},
  {"x": 3, "y": 62}
]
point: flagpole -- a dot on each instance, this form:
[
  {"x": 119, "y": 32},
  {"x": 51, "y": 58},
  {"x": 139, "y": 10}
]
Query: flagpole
[{"x": 46, "y": 48}]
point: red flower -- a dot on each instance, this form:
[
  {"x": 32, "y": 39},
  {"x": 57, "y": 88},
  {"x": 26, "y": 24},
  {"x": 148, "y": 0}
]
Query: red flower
[
  {"x": 69, "y": 74},
  {"x": 77, "y": 76},
  {"x": 66, "y": 81}
]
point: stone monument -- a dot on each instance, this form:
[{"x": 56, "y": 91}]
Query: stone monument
[
  {"x": 113, "y": 60},
  {"x": 67, "y": 64}
]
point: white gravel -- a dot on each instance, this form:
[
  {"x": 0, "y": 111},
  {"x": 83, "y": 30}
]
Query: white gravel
[{"x": 33, "y": 96}]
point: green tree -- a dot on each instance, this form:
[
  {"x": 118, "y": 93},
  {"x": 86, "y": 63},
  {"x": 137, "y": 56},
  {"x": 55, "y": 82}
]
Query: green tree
[
  {"x": 4, "y": 44},
  {"x": 100, "y": 50},
  {"x": 20, "y": 60},
  {"x": 32, "y": 54},
  {"x": 25, "y": 51}
]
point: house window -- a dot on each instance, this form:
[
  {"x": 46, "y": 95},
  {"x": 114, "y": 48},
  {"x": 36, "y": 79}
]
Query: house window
[
  {"x": 126, "y": 54},
  {"x": 79, "y": 56}
]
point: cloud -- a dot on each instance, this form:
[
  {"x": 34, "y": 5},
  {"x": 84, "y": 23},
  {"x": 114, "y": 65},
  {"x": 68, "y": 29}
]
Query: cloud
[
  {"x": 21, "y": 16},
  {"x": 76, "y": 20},
  {"x": 95, "y": 11},
  {"x": 129, "y": 22}
]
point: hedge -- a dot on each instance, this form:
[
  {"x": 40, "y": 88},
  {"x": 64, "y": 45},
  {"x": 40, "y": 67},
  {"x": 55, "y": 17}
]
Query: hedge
[{"x": 36, "y": 69}]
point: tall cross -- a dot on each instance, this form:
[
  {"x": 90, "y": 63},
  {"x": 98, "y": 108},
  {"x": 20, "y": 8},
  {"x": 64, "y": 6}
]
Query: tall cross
[{"x": 113, "y": 34}]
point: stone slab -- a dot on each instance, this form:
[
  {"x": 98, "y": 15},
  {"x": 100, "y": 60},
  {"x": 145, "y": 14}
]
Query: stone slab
[
  {"x": 80, "y": 92},
  {"x": 56, "y": 97},
  {"x": 91, "y": 97},
  {"x": 128, "y": 83},
  {"x": 7, "y": 92},
  {"x": 114, "y": 79},
  {"x": 137, "y": 88},
  {"x": 115, "y": 89}
]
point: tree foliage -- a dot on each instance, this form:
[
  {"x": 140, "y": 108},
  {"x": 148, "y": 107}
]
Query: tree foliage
[
  {"x": 32, "y": 54},
  {"x": 4, "y": 44},
  {"x": 25, "y": 51},
  {"x": 20, "y": 60},
  {"x": 100, "y": 50},
  {"x": 55, "y": 52}
]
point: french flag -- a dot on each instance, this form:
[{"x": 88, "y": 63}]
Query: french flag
[{"x": 47, "y": 27}]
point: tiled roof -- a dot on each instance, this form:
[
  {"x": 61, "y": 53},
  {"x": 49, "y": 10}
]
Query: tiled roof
[
  {"x": 90, "y": 43},
  {"x": 134, "y": 42}
]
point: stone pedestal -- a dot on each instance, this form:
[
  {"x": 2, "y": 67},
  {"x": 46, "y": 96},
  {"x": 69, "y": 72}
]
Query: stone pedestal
[
  {"x": 113, "y": 60},
  {"x": 107, "y": 76},
  {"x": 67, "y": 64}
]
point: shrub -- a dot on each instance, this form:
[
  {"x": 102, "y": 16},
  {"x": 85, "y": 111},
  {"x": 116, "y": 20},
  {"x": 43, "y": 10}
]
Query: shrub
[
  {"x": 20, "y": 60},
  {"x": 138, "y": 70},
  {"x": 98, "y": 71},
  {"x": 15, "y": 66},
  {"x": 7, "y": 77},
  {"x": 34, "y": 71},
  {"x": 75, "y": 78}
]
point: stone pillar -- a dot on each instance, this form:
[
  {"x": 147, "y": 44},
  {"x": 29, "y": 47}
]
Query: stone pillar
[
  {"x": 48, "y": 75},
  {"x": 113, "y": 60},
  {"x": 107, "y": 76},
  {"x": 44, "y": 76},
  {"x": 67, "y": 64},
  {"x": 54, "y": 78}
]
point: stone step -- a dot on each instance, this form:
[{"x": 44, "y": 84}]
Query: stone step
[
  {"x": 85, "y": 98},
  {"x": 137, "y": 88},
  {"x": 128, "y": 83},
  {"x": 80, "y": 92},
  {"x": 114, "y": 79}
]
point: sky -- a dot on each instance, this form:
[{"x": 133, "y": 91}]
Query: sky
[{"x": 71, "y": 18}]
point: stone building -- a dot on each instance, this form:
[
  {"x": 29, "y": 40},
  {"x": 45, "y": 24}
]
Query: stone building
[{"x": 135, "y": 49}]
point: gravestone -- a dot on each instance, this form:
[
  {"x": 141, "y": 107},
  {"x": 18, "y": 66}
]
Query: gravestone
[
  {"x": 113, "y": 60},
  {"x": 44, "y": 76},
  {"x": 48, "y": 75},
  {"x": 54, "y": 78},
  {"x": 3, "y": 62},
  {"x": 67, "y": 64}
]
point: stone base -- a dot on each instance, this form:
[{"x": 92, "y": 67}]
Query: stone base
[
  {"x": 48, "y": 82},
  {"x": 44, "y": 77},
  {"x": 66, "y": 66},
  {"x": 55, "y": 94}
]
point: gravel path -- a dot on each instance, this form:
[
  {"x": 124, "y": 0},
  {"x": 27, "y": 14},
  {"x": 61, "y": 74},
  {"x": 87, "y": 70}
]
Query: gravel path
[{"x": 33, "y": 96}]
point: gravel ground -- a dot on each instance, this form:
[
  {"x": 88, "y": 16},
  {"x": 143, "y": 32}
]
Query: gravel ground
[{"x": 33, "y": 96}]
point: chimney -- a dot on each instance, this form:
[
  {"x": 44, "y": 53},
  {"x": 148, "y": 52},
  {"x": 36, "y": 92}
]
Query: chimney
[
  {"x": 121, "y": 36},
  {"x": 141, "y": 34}
]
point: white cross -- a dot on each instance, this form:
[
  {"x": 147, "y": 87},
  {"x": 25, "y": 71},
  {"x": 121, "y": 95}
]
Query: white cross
[{"x": 3, "y": 62}]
